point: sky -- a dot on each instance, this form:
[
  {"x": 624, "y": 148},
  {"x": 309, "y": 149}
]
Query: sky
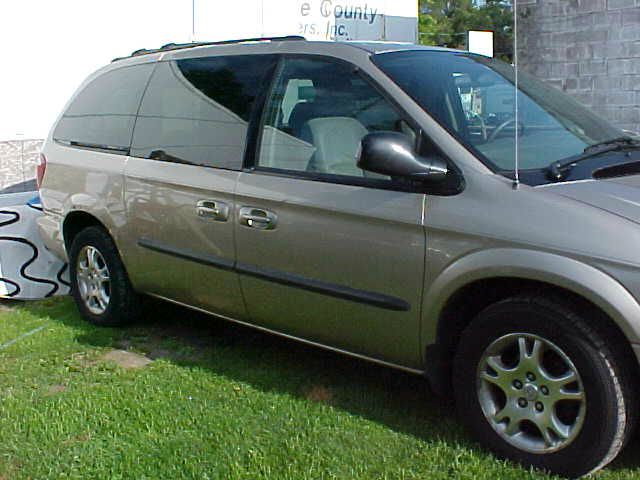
[{"x": 50, "y": 46}]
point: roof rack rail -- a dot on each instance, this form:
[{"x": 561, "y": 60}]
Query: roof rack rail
[{"x": 179, "y": 46}]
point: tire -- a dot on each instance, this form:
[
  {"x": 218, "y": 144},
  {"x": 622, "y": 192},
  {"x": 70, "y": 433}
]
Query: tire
[
  {"x": 111, "y": 300},
  {"x": 598, "y": 414}
]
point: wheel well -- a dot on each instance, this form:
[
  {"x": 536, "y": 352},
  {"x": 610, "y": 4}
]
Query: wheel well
[
  {"x": 463, "y": 306},
  {"x": 74, "y": 223}
]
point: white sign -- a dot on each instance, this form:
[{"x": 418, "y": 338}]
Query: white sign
[
  {"x": 340, "y": 20},
  {"x": 27, "y": 269},
  {"x": 481, "y": 43}
]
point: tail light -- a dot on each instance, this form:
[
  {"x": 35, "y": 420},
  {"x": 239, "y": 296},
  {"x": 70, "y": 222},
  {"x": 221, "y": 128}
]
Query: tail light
[{"x": 41, "y": 166}]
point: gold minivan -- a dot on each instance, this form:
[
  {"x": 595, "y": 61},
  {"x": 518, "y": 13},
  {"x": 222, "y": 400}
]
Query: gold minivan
[{"x": 364, "y": 197}]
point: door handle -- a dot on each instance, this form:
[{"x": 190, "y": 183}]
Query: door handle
[
  {"x": 257, "y": 218},
  {"x": 214, "y": 209}
]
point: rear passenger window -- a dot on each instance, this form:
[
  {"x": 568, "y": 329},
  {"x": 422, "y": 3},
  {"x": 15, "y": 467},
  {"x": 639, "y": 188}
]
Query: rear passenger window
[
  {"x": 196, "y": 111},
  {"x": 103, "y": 114}
]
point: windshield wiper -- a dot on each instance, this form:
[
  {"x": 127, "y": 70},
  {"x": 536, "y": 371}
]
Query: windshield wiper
[
  {"x": 619, "y": 142},
  {"x": 557, "y": 170}
]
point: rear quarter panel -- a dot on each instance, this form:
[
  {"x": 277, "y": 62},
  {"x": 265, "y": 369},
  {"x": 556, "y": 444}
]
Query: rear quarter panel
[{"x": 84, "y": 180}]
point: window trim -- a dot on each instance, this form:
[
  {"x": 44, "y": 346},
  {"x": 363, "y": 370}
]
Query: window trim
[
  {"x": 96, "y": 147},
  {"x": 256, "y": 128}
]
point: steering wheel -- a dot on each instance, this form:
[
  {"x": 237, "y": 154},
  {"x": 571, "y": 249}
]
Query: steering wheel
[
  {"x": 483, "y": 125},
  {"x": 502, "y": 126}
]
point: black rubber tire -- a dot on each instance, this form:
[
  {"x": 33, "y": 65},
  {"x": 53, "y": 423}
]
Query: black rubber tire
[
  {"x": 124, "y": 303},
  {"x": 609, "y": 395}
]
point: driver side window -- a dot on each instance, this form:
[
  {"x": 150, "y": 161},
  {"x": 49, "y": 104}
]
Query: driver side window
[{"x": 317, "y": 114}]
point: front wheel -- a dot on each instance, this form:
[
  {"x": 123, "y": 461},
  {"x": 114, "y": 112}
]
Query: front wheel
[
  {"x": 99, "y": 283},
  {"x": 536, "y": 384}
]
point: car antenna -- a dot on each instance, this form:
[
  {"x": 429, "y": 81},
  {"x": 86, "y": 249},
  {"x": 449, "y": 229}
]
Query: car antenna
[{"x": 516, "y": 177}]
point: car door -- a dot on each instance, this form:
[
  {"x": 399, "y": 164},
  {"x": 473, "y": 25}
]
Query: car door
[
  {"x": 325, "y": 251},
  {"x": 187, "y": 151}
]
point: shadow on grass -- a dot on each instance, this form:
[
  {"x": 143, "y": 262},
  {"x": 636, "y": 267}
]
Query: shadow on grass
[{"x": 398, "y": 400}]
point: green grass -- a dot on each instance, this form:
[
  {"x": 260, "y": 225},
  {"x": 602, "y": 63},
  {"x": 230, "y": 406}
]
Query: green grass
[{"x": 218, "y": 401}]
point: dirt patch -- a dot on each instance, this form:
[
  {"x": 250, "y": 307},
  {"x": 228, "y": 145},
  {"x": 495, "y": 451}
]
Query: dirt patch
[
  {"x": 55, "y": 389},
  {"x": 5, "y": 306},
  {"x": 84, "y": 437},
  {"x": 318, "y": 393},
  {"x": 125, "y": 359}
]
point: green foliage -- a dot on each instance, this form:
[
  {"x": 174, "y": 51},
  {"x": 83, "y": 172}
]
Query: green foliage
[{"x": 446, "y": 22}]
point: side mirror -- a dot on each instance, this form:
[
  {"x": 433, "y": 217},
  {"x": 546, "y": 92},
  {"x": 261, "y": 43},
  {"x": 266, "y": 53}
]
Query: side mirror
[{"x": 392, "y": 154}]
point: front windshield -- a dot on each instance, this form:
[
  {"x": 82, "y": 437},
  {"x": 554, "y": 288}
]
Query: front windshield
[{"x": 473, "y": 97}]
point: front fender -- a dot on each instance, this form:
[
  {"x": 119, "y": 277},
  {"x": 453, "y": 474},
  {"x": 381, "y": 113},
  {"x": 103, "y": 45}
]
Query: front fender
[{"x": 569, "y": 273}]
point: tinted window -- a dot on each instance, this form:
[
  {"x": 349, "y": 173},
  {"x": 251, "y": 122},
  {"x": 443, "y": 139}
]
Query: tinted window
[
  {"x": 197, "y": 111},
  {"x": 316, "y": 116},
  {"x": 103, "y": 113},
  {"x": 474, "y": 98}
]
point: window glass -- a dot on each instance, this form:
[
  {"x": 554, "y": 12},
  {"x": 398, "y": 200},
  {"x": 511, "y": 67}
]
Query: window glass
[
  {"x": 474, "y": 98},
  {"x": 318, "y": 113},
  {"x": 196, "y": 111},
  {"x": 103, "y": 113}
]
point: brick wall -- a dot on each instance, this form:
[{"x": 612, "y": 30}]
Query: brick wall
[
  {"x": 18, "y": 161},
  {"x": 588, "y": 48}
]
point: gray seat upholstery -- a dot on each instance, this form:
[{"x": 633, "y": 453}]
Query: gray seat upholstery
[
  {"x": 336, "y": 140},
  {"x": 333, "y": 98}
]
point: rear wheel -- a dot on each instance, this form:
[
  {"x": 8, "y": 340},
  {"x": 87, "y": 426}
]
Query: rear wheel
[
  {"x": 536, "y": 384},
  {"x": 99, "y": 283}
]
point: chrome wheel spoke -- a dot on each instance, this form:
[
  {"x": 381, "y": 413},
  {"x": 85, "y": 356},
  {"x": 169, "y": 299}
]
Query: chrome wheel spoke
[
  {"x": 522, "y": 350},
  {"x": 569, "y": 377},
  {"x": 558, "y": 390},
  {"x": 546, "y": 435},
  {"x": 90, "y": 300},
  {"x": 537, "y": 351},
  {"x": 487, "y": 377},
  {"x": 503, "y": 375},
  {"x": 553, "y": 431},
  {"x": 103, "y": 298},
  {"x": 100, "y": 301},
  {"x": 513, "y": 427},
  {"x": 503, "y": 414},
  {"x": 91, "y": 258},
  {"x": 103, "y": 274},
  {"x": 565, "y": 395},
  {"x": 558, "y": 428}
]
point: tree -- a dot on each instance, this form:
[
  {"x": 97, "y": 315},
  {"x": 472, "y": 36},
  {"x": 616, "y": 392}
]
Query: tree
[{"x": 446, "y": 23}]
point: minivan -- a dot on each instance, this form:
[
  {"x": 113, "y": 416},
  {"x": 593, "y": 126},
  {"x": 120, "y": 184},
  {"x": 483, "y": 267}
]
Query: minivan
[{"x": 368, "y": 198}]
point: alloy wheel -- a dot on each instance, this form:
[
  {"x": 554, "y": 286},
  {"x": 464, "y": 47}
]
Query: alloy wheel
[
  {"x": 94, "y": 281},
  {"x": 531, "y": 393}
]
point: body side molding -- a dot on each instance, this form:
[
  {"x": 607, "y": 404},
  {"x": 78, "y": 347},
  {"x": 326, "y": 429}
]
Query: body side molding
[{"x": 296, "y": 281}]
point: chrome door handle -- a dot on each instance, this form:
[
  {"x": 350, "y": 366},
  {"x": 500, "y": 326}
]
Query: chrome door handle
[
  {"x": 257, "y": 218},
  {"x": 213, "y": 209}
]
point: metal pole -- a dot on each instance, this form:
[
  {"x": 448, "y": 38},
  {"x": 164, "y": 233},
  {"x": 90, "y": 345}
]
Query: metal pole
[{"x": 516, "y": 180}]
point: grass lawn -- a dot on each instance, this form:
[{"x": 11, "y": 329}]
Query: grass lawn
[{"x": 218, "y": 401}]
